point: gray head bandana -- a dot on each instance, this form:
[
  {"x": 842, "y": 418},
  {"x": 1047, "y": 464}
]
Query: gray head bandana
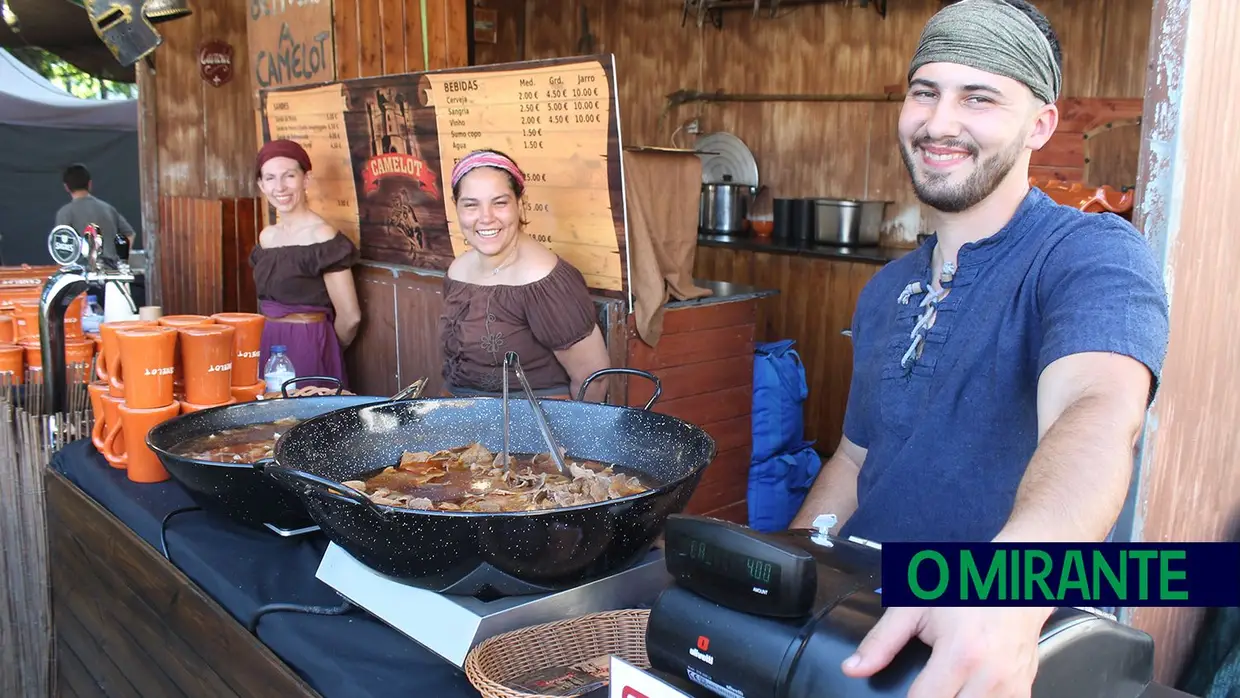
[{"x": 993, "y": 36}]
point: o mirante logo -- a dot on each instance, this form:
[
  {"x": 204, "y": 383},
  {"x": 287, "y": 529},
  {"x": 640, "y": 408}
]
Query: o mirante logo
[{"x": 1059, "y": 574}]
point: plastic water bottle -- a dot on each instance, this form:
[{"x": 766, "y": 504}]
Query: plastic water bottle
[
  {"x": 92, "y": 314},
  {"x": 278, "y": 370}
]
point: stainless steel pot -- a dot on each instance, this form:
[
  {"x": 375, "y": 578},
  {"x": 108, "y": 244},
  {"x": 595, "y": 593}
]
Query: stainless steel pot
[
  {"x": 846, "y": 222},
  {"x": 724, "y": 206}
]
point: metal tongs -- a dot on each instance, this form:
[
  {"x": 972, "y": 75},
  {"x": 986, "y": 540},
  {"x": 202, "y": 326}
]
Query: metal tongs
[
  {"x": 413, "y": 392},
  {"x": 510, "y": 359}
]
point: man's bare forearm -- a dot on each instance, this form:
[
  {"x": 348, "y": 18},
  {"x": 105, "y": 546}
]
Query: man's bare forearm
[
  {"x": 834, "y": 492},
  {"x": 1078, "y": 477}
]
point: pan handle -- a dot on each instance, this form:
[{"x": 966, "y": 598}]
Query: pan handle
[
  {"x": 329, "y": 379},
  {"x": 324, "y": 486},
  {"x": 658, "y": 385}
]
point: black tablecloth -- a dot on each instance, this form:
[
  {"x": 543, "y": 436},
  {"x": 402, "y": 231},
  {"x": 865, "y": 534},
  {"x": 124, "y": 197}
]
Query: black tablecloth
[{"x": 348, "y": 656}]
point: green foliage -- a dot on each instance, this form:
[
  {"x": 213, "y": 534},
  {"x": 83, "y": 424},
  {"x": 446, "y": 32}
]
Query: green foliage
[{"x": 67, "y": 77}]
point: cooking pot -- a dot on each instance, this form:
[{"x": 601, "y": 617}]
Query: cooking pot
[
  {"x": 492, "y": 555},
  {"x": 240, "y": 491},
  {"x": 847, "y": 222},
  {"x": 724, "y": 207}
]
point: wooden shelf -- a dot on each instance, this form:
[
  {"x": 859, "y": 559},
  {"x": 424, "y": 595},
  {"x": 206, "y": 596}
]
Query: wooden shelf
[{"x": 703, "y": 11}]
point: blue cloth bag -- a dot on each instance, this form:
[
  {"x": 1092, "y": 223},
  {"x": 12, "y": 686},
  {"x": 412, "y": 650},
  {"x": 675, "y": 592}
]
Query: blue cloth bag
[
  {"x": 779, "y": 390},
  {"x": 778, "y": 485}
]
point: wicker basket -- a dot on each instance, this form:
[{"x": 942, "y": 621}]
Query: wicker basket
[{"x": 505, "y": 657}]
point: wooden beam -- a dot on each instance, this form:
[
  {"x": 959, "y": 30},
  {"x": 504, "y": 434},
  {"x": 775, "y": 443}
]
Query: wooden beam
[
  {"x": 148, "y": 175},
  {"x": 1186, "y": 488}
]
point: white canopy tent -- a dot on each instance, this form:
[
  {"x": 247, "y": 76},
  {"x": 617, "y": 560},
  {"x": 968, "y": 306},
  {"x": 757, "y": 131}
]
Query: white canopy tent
[
  {"x": 43, "y": 129},
  {"x": 28, "y": 99}
]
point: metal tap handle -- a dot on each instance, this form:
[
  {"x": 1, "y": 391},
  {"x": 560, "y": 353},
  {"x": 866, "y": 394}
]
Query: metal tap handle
[
  {"x": 122, "y": 247},
  {"x": 539, "y": 415},
  {"x": 94, "y": 245}
]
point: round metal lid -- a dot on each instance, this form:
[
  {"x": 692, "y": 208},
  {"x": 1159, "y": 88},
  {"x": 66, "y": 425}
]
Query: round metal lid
[
  {"x": 725, "y": 154},
  {"x": 65, "y": 245}
]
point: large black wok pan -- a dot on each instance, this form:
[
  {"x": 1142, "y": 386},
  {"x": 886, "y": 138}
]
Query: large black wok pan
[
  {"x": 241, "y": 491},
  {"x": 489, "y": 555}
]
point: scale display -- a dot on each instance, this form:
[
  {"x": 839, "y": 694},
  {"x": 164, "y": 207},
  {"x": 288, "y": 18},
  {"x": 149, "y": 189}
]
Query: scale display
[
  {"x": 743, "y": 568},
  {"x": 738, "y": 567}
]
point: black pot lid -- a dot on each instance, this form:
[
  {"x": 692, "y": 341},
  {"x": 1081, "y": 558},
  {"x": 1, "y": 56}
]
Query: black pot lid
[{"x": 724, "y": 154}]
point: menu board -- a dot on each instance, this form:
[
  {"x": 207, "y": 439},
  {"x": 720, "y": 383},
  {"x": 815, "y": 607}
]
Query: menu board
[
  {"x": 403, "y": 134},
  {"x": 315, "y": 119}
]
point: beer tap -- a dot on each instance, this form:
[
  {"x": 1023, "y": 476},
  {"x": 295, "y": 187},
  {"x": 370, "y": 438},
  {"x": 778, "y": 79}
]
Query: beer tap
[{"x": 69, "y": 249}]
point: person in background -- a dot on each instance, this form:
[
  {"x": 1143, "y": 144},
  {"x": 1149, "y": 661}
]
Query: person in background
[
  {"x": 84, "y": 208},
  {"x": 302, "y": 271},
  {"x": 508, "y": 292},
  {"x": 1001, "y": 371}
]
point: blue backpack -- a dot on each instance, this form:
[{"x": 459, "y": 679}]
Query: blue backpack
[
  {"x": 778, "y": 485},
  {"x": 779, "y": 389},
  {"x": 782, "y": 466}
]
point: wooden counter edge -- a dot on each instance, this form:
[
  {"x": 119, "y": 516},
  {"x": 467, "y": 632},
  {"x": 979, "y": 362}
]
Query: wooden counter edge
[{"x": 129, "y": 623}]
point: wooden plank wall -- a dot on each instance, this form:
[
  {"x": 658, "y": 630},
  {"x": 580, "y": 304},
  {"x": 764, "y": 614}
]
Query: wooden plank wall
[
  {"x": 509, "y": 43},
  {"x": 242, "y": 222},
  {"x": 824, "y": 149},
  {"x": 704, "y": 362},
  {"x": 1191, "y": 487},
  {"x": 204, "y": 153},
  {"x": 384, "y": 37}
]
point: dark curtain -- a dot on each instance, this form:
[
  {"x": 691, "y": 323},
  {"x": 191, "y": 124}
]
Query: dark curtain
[{"x": 32, "y": 160}]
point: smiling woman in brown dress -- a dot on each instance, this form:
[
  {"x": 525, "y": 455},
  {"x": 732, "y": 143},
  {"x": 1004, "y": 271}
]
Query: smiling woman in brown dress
[
  {"x": 302, "y": 272},
  {"x": 508, "y": 292}
]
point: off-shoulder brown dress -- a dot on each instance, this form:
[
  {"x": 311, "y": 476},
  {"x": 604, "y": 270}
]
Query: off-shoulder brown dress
[
  {"x": 480, "y": 324},
  {"x": 289, "y": 280}
]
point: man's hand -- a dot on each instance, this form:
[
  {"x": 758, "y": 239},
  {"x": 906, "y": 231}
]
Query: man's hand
[{"x": 975, "y": 652}]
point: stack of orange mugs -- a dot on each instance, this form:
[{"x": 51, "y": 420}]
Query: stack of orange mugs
[
  {"x": 154, "y": 370},
  {"x": 20, "y": 345}
]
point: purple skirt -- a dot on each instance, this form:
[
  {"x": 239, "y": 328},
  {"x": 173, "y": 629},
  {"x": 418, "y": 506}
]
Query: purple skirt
[{"x": 312, "y": 347}]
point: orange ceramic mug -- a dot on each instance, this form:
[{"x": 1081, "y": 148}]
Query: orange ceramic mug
[
  {"x": 73, "y": 317},
  {"x": 111, "y": 358},
  {"x": 247, "y": 343},
  {"x": 79, "y": 351},
  {"x": 114, "y": 447},
  {"x": 179, "y": 321},
  {"x": 26, "y": 315},
  {"x": 34, "y": 351},
  {"x": 13, "y": 360},
  {"x": 187, "y": 407},
  {"x": 144, "y": 464},
  {"x": 246, "y": 393},
  {"x": 8, "y": 329},
  {"x": 97, "y": 391},
  {"x": 147, "y": 353},
  {"x": 206, "y": 363}
]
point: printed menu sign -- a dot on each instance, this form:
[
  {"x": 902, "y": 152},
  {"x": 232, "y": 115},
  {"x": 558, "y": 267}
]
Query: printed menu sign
[
  {"x": 315, "y": 119},
  {"x": 556, "y": 118}
]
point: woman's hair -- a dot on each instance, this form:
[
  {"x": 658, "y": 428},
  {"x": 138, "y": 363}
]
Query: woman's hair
[{"x": 493, "y": 159}]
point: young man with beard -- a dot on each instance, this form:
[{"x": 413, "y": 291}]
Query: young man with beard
[{"x": 1002, "y": 371}]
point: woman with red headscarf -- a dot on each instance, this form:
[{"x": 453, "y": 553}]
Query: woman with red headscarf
[
  {"x": 302, "y": 271},
  {"x": 508, "y": 292}
]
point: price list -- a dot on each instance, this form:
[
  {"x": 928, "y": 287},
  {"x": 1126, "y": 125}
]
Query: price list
[
  {"x": 315, "y": 119},
  {"x": 554, "y": 121}
]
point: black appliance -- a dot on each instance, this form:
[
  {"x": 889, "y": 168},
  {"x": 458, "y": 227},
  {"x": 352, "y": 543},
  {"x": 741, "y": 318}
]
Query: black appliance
[{"x": 774, "y": 615}]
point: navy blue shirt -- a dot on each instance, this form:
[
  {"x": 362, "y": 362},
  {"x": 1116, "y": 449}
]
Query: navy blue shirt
[{"x": 950, "y": 433}]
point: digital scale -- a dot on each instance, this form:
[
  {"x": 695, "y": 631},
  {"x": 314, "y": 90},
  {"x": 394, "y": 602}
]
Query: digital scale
[
  {"x": 774, "y": 615},
  {"x": 451, "y": 625}
]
